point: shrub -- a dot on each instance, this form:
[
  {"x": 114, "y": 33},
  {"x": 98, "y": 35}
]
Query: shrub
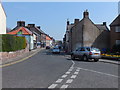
[
  {"x": 12, "y": 43},
  {"x": 116, "y": 49}
]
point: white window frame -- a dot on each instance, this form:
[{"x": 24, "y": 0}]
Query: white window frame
[
  {"x": 117, "y": 29},
  {"x": 117, "y": 42}
]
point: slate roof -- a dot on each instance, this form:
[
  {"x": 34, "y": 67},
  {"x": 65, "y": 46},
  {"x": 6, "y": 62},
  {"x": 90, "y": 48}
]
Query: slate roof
[
  {"x": 40, "y": 30},
  {"x": 102, "y": 27},
  {"x": 116, "y": 21},
  {"x": 24, "y": 30},
  {"x": 70, "y": 26}
]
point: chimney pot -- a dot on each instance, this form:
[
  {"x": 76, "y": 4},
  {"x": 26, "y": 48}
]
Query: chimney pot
[
  {"x": 104, "y": 23},
  {"x": 76, "y": 21},
  {"x": 68, "y": 22},
  {"x": 86, "y": 14},
  {"x": 38, "y": 27},
  {"x": 21, "y": 23},
  {"x": 31, "y": 25}
]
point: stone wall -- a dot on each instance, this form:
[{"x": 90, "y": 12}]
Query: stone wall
[{"x": 10, "y": 55}]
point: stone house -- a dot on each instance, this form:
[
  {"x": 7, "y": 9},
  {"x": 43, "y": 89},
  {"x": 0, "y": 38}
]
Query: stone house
[
  {"x": 2, "y": 20},
  {"x": 84, "y": 33},
  {"x": 115, "y": 32}
]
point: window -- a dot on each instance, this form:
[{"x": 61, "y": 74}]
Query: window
[
  {"x": 82, "y": 49},
  {"x": 117, "y": 29},
  {"x": 88, "y": 49},
  {"x": 117, "y": 42}
]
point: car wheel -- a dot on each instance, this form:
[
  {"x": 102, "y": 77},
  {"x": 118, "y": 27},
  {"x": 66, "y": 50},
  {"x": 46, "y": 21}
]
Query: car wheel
[
  {"x": 85, "y": 58},
  {"x": 96, "y": 60},
  {"x": 72, "y": 57}
]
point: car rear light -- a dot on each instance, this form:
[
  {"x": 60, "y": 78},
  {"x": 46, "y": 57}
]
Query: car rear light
[{"x": 90, "y": 53}]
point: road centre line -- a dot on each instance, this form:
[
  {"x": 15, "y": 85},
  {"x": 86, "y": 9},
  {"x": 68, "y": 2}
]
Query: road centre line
[
  {"x": 74, "y": 76},
  {"x": 70, "y": 70},
  {"x": 52, "y": 86},
  {"x": 64, "y": 76},
  {"x": 67, "y": 72},
  {"x": 69, "y": 81},
  {"x": 76, "y": 72},
  {"x": 59, "y": 80},
  {"x": 64, "y": 86}
]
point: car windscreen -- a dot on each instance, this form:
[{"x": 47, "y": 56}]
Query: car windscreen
[{"x": 95, "y": 49}]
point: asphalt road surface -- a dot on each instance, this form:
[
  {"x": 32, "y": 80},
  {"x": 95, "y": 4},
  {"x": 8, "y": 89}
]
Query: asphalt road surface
[{"x": 47, "y": 70}]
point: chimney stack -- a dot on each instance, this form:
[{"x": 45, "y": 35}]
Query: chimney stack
[
  {"x": 31, "y": 25},
  {"x": 38, "y": 27},
  {"x": 68, "y": 22},
  {"x": 104, "y": 23},
  {"x": 86, "y": 14},
  {"x": 21, "y": 23},
  {"x": 76, "y": 21}
]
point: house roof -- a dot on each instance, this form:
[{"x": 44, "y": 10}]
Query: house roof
[
  {"x": 70, "y": 26},
  {"x": 24, "y": 30},
  {"x": 48, "y": 38},
  {"x": 39, "y": 30},
  {"x": 102, "y": 27},
  {"x": 116, "y": 21}
]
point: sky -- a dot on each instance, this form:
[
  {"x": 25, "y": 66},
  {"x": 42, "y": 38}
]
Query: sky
[{"x": 52, "y": 16}]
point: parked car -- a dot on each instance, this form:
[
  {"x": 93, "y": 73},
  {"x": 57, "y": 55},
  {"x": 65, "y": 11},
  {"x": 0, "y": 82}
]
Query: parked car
[
  {"x": 86, "y": 53},
  {"x": 56, "y": 50},
  {"x": 47, "y": 47}
]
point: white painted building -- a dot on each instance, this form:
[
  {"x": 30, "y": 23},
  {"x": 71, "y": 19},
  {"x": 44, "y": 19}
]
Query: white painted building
[{"x": 2, "y": 20}]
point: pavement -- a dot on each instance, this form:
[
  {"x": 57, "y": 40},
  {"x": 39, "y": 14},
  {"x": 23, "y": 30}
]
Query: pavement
[
  {"x": 47, "y": 70},
  {"x": 20, "y": 57}
]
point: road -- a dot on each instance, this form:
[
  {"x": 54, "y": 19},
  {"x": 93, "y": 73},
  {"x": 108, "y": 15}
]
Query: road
[{"x": 47, "y": 70}]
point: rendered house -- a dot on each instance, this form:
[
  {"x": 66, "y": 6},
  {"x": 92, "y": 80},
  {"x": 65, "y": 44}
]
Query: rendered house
[
  {"x": 115, "y": 32},
  {"x": 84, "y": 33},
  {"x": 20, "y": 30},
  {"x": 2, "y": 20},
  {"x": 49, "y": 41}
]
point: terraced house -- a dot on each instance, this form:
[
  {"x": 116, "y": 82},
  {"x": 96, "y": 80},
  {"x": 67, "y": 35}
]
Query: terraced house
[
  {"x": 2, "y": 20},
  {"x": 84, "y": 33},
  {"x": 115, "y": 32}
]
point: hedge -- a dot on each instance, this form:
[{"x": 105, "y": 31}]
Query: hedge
[
  {"x": 116, "y": 48},
  {"x": 12, "y": 43}
]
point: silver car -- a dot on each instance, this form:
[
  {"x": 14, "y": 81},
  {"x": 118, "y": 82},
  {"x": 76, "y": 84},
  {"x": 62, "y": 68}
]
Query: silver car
[
  {"x": 86, "y": 53},
  {"x": 56, "y": 50}
]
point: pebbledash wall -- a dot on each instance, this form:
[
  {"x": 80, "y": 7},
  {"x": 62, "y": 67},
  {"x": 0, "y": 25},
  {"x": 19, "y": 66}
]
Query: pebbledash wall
[{"x": 2, "y": 20}]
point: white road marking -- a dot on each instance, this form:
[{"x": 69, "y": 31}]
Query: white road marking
[
  {"x": 73, "y": 63},
  {"x": 73, "y": 76},
  {"x": 59, "y": 81},
  {"x": 70, "y": 69},
  {"x": 52, "y": 86},
  {"x": 64, "y": 86},
  {"x": 69, "y": 81},
  {"x": 100, "y": 72},
  {"x": 76, "y": 72},
  {"x": 64, "y": 76},
  {"x": 67, "y": 72}
]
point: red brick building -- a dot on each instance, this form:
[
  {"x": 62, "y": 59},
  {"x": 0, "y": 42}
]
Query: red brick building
[{"x": 115, "y": 32}]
